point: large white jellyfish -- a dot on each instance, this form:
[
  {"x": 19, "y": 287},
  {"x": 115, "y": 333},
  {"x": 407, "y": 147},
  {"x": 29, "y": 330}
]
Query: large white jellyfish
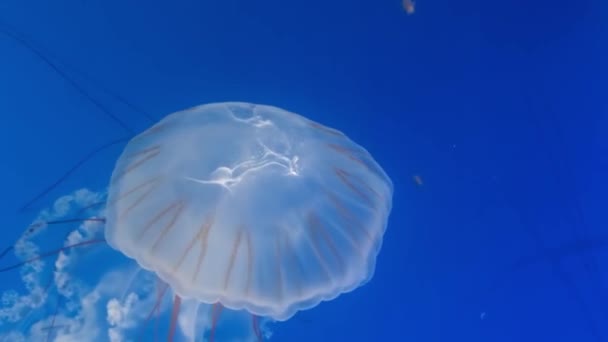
[{"x": 249, "y": 208}]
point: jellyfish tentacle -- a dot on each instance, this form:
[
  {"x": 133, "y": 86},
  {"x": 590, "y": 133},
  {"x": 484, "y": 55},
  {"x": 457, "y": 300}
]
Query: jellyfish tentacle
[
  {"x": 6, "y": 250},
  {"x": 69, "y": 172},
  {"x": 51, "y": 253},
  {"x": 158, "y": 128},
  {"x": 160, "y": 293},
  {"x": 71, "y": 81},
  {"x": 52, "y": 326},
  {"x": 177, "y": 300},
  {"x": 90, "y": 206},
  {"x": 215, "y": 315},
  {"x": 48, "y": 58},
  {"x": 256, "y": 328},
  {"x": 31, "y": 309},
  {"x": 70, "y": 220},
  {"x": 32, "y": 228}
]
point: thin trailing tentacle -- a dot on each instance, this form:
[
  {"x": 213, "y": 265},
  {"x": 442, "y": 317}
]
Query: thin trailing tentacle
[
  {"x": 10, "y": 33},
  {"x": 45, "y": 55},
  {"x": 33, "y": 227},
  {"x": 70, "y": 171},
  {"x": 51, "y": 253}
]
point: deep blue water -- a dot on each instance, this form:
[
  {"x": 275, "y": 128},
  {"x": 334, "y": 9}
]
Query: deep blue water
[{"x": 499, "y": 107}]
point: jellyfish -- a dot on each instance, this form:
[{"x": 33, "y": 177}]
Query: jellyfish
[
  {"x": 230, "y": 215},
  {"x": 409, "y": 6}
]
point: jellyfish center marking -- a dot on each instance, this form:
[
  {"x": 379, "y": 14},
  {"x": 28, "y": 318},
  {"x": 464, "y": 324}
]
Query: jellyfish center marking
[{"x": 229, "y": 177}]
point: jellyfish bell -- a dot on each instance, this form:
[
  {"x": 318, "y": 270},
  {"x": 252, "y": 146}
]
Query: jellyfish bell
[
  {"x": 250, "y": 206},
  {"x": 244, "y": 212}
]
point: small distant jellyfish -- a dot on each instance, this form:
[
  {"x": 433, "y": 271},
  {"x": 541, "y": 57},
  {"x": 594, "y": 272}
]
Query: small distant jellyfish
[{"x": 409, "y": 6}]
